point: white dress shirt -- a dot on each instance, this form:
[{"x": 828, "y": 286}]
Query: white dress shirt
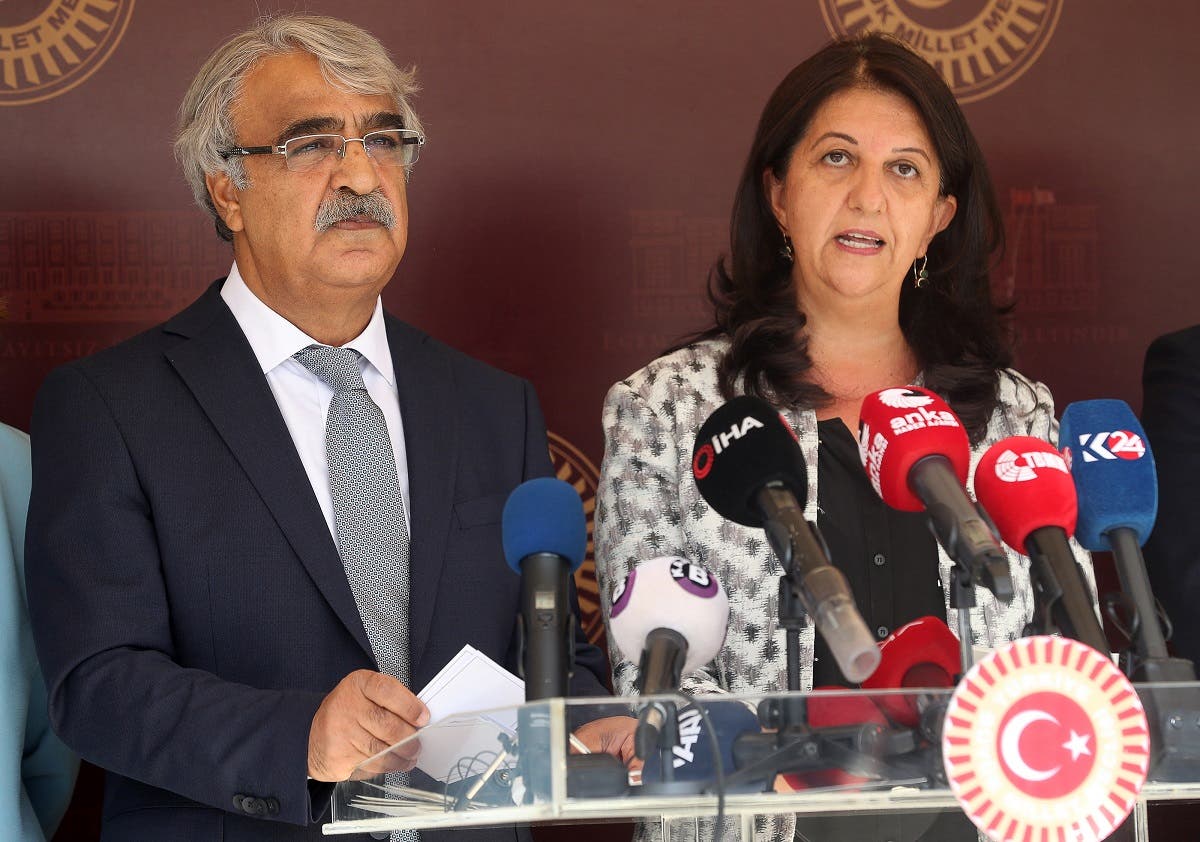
[{"x": 304, "y": 398}]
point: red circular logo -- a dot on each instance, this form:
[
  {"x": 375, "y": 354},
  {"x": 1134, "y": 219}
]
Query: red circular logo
[
  {"x": 1126, "y": 445},
  {"x": 702, "y": 462},
  {"x": 1046, "y": 739},
  {"x": 1046, "y": 744}
]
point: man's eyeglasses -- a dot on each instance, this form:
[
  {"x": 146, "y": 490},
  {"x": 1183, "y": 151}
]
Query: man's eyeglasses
[{"x": 388, "y": 148}]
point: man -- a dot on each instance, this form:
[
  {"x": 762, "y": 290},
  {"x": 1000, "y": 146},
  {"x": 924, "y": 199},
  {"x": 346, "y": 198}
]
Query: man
[
  {"x": 247, "y": 543},
  {"x": 1171, "y": 416}
]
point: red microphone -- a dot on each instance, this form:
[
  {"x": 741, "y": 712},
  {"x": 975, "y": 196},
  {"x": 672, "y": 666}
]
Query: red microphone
[
  {"x": 920, "y": 654},
  {"x": 916, "y": 454},
  {"x": 1027, "y": 488}
]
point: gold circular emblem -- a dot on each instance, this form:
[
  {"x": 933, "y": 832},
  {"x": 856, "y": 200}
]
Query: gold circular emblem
[
  {"x": 979, "y": 46},
  {"x": 48, "y": 47},
  {"x": 570, "y": 465}
]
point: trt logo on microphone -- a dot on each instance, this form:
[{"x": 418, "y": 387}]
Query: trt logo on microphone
[
  {"x": 1118, "y": 444},
  {"x": 1014, "y": 467},
  {"x": 706, "y": 454}
]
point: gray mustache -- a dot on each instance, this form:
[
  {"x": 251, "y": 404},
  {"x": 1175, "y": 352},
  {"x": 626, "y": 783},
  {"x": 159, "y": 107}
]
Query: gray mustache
[{"x": 345, "y": 205}]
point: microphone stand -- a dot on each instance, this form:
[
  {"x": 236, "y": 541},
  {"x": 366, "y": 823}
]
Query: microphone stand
[
  {"x": 871, "y": 750},
  {"x": 657, "y": 658},
  {"x": 1172, "y": 713},
  {"x": 967, "y": 535},
  {"x": 962, "y": 599},
  {"x": 1057, "y": 608}
]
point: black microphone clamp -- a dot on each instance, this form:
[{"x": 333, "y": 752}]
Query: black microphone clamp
[
  {"x": 964, "y": 530},
  {"x": 663, "y": 657}
]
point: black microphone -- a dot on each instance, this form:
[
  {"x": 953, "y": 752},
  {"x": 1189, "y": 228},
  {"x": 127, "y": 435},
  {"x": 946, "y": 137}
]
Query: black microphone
[
  {"x": 545, "y": 539},
  {"x": 749, "y": 468}
]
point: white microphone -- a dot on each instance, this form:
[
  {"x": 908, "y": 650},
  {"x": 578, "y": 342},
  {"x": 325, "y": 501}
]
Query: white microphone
[{"x": 673, "y": 615}]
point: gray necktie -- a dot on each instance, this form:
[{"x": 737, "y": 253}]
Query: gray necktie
[
  {"x": 368, "y": 514},
  {"x": 368, "y": 511}
]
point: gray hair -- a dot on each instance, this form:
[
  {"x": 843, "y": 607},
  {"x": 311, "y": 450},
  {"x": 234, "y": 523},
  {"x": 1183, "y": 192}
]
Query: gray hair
[{"x": 350, "y": 58}]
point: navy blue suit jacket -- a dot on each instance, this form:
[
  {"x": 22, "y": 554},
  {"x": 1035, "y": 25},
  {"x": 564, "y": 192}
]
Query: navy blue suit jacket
[
  {"x": 1171, "y": 418},
  {"x": 188, "y": 602}
]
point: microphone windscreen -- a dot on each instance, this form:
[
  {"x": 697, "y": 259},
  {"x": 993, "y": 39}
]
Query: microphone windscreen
[
  {"x": 1113, "y": 468},
  {"x": 744, "y": 445},
  {"x": 899, "y": 427},
  {"x": 692, "y": 757},
  {"x": 923, "y": 653},
  {"x": 670, "y": 593},
  {"x": 544, "y": 515},
  {"x": 1024, "y": 484}
]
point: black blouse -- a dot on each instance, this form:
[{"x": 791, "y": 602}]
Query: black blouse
[{"x": 889, "y": 557}]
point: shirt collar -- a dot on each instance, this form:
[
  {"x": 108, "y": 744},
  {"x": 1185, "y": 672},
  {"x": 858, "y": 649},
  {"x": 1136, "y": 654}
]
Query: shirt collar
[{"x": 274, "y": 339}]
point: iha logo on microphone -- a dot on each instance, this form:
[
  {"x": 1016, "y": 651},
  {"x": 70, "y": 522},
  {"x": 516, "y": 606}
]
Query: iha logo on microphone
[
  {"x": 1120, "y": 444},
  {"x": 1012, "y": 467},
  {"x": 706, "y": 454}
]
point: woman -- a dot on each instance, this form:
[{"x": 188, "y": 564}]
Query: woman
[{"x": 862, "y": 232}]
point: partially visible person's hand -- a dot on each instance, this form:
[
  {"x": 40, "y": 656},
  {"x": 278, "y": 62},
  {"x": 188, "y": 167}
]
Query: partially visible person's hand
[
  {"x": 364, "y": 714},
  {"x": 610, "y": 735}
]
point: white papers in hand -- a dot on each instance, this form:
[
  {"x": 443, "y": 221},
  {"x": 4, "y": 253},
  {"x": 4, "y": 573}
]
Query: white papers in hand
[{"x": 470, "y": 682}]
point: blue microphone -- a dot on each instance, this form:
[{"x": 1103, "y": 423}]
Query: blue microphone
[
  {"x": 1114, "y": 474},
  {"x": 544, "y": 532},
  {"x": 1113, "y": 468},
  {"x": 545, "y": 539},
  {"x": 693, "y": 757}
]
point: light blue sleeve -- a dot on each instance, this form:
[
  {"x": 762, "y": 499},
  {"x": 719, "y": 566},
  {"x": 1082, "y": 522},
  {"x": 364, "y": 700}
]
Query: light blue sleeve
[{"x": 37, "y": 772}]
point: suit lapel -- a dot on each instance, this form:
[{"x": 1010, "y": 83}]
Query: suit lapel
[
  {"x": 424, "y": 381},
  {"x": 220, "y": 369}
]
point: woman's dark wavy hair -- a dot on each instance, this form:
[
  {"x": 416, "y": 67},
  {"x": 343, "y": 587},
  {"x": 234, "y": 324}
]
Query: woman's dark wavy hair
[{"x": 951, "y": 323}]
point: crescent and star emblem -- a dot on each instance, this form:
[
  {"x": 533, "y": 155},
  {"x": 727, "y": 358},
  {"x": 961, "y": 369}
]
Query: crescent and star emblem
[{"x": 1010, "y": 745}]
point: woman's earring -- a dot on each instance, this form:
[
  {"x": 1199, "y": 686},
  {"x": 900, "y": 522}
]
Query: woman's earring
[
  {"x": 786, "y": 251},
  {"x": 920, "y": 276}
]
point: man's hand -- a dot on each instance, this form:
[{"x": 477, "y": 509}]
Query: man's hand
[
  {"x": 610, "y": 735},
  {"x": 366, "y": 713}
]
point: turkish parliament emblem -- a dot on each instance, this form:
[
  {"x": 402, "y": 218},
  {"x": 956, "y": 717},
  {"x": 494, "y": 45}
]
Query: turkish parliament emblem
[
  {"x": 1045, "y": 739},
  {"x": 978, "y": 46},
  {"x": 48, "y": 47}
]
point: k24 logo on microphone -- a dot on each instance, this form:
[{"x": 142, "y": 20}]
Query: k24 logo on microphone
[
  {"x": 1013, "y": 467},
  {"x": 1119, "y": 444}
]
